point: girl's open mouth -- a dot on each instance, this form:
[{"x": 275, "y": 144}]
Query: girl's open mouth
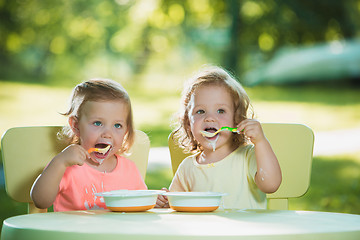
[
  {"x": 211, "y": 129},
  {"x": 209, "y": 132},
  {"x": 101, "y": 152}
]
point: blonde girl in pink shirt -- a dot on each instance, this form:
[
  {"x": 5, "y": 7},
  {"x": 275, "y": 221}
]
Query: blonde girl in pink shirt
[{"x": 99, "y": 116}]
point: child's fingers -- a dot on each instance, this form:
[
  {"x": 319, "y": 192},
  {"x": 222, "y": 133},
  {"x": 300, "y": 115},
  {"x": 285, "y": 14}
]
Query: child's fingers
[
  {"x": 248, "y": 124},
  {"x": 74, "y": 154},
  {"x": 243, "y": 125},
  {"x": 161, "y": 202},
  {"x": 166, "y": 190},
  {"x": 241, "y": 128},
  {"x": 86, "y": 155},
  {"x": 249, "y": 128},
  {"x": 252, "y": 130}
]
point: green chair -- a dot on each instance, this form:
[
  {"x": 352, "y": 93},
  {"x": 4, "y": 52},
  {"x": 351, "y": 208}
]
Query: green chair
[
  {"x": 293, "y": 146},
  {"x": 27, "y": 150}
]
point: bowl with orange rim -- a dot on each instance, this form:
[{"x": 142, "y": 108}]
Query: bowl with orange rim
[
  {"x": 130, "y": 200},
  {"x": 194, "y": 201}
]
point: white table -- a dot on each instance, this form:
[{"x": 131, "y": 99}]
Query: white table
[{"x": 170, "y": 225}]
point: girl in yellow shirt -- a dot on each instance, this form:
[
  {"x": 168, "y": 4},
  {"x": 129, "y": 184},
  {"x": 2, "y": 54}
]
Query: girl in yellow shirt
[{"x": 240, "y": 163}]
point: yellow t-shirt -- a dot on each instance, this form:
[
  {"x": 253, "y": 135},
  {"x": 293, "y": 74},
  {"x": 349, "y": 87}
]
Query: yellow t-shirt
[{"x": 233, "y": 175}]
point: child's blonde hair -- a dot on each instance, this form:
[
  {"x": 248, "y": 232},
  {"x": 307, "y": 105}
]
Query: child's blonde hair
[
  {"x": 98, "y": 90},
  {"x": 211, "y": 75}
]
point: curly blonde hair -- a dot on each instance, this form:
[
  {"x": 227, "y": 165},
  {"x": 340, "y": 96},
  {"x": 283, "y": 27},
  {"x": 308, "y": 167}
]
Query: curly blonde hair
[
  {"x": 211, "y": 75},
  {"x": 97, "y": 90}
]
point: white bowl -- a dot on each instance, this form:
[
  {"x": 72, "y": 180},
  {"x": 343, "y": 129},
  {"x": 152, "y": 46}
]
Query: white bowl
[
  {"x": 194, "y": 201},
  {"x": 130, "y": 200}
]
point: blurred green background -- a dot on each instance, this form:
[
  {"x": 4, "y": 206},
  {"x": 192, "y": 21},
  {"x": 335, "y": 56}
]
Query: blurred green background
[{"x": 298, "y": 60}]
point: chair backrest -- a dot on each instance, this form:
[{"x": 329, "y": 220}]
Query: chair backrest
[
  {"x": 293, "y": 146},
  {"x": 27, "y": 150}
]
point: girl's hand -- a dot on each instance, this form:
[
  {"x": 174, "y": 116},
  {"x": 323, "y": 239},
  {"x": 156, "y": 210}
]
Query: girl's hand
[
  {"x": 252, "y": 129},
  {"x": 73, "y": 154},
  {"x": 162, "y": 201}
]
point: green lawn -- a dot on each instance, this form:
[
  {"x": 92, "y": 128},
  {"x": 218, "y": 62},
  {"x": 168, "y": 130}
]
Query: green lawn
[
  {"x": 334, "y": 187},
  {"x": 335, "y": 182},
  {"x": 321, "y": 108}
]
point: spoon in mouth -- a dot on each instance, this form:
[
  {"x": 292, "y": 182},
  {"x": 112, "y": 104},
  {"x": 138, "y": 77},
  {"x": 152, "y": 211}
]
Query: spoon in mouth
[
  {"x": 99, "y": 150},
  {"x": 212, "y": 134}
]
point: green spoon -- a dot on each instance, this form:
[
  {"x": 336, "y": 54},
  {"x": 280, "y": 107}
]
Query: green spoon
[{"x": 211, "y": 134}]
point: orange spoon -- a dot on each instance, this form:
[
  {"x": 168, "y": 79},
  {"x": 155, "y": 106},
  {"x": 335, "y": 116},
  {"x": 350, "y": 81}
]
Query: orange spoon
[{"x": 99, "y": 150}]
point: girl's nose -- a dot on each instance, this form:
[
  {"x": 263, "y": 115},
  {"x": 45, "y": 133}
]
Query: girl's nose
[
  {"x": 106, "y": 133},
  {"x": 209, "y": 118}
]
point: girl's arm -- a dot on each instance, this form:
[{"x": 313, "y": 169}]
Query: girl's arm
[
  {"x": 46, "y": 186},
  {"x": 268, "y": 176}
]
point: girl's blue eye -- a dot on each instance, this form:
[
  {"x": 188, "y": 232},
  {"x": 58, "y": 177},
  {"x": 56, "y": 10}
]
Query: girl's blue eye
[
  {"x": 117, "y": 125},
  {"x": 221, "y": 111},
  {"x": 97, "y": 123},
  {"x": 200, "y": 111}
]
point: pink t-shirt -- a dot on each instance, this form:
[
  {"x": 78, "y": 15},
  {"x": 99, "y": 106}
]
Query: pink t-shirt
[{"x": 80, "y": 183}]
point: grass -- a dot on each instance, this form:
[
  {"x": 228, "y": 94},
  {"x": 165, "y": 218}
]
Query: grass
[
  {"x": 335, "y": 182},
  {"x": 323, "y": 109},
  {"x": 335, "y": 185},
  {"x": 320, "y": 107}
]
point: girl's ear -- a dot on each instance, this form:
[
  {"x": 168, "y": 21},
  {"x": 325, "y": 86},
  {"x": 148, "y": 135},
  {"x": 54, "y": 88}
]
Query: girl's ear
[{"x": 74, "y": 125}]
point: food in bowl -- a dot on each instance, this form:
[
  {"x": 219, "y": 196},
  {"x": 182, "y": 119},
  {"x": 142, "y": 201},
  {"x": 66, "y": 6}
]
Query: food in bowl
[
  {"x": 130, "y": 200},
  {"x": 194, "y": 201}
]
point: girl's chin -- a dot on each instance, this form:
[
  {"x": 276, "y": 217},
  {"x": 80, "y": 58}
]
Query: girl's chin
[
  {"x": 96, "y": 161},
  {"x": 212, "y": 146}
]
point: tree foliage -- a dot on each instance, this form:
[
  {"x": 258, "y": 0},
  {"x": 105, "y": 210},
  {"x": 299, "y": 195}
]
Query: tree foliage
[{"x": 65, "y": 39}]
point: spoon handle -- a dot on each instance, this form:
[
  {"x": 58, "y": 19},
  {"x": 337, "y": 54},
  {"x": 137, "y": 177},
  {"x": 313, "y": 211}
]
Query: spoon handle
[{"x": 228, "y": 128}]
